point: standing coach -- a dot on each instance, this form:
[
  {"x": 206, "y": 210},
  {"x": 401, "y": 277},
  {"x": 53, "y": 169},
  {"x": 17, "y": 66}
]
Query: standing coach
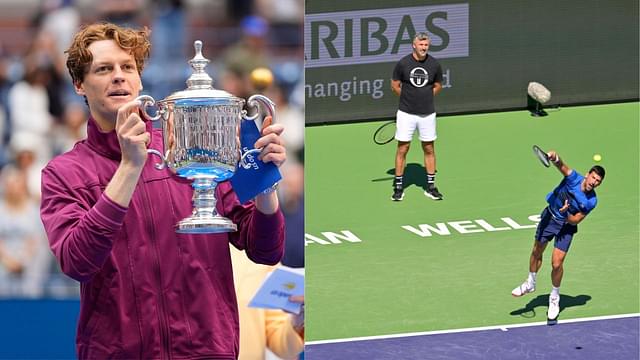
[{"x": 417, "y": 79}]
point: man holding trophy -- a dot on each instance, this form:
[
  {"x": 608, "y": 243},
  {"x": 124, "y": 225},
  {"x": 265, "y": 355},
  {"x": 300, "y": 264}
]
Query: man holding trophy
[{"x": 151, "y": 288}]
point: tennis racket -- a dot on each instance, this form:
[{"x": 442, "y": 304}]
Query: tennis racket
[
  {"x": 541, "y": 155},
  {"x": 385, "y": 133}
]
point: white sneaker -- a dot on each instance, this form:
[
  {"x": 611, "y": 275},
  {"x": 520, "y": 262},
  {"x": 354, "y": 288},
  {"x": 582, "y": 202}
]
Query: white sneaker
[
  {"x": 554, "y": 307},
  {"x": 525, "y": 288}
]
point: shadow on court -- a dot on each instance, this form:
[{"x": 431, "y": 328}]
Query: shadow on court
[
  {"x": 529, "y": 311},
  {"x": 414, "y": 174}
]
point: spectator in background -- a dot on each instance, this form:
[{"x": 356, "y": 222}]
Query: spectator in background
[
  {"x": 284, "y": 17},
  {"x": 121, "y": 12},
  {"x": 43, "y": 50},
  {"x": 237, "y": 9},
  {"x": 36, "y": 103},
  {"x": 29, "y": 104},
  {"x": 5, "y": 125},
  {"x": 291, "y": 117},
  {"x": 261, "y": 329},
  {"x": 55, "y": 24},
  {"x": 296, "y": 97},
  {"x": 24, "y": 148},
  {"x": 72, "y": 129},
  {"x": 281, "y": 11},
  {"x": 168, "y": 68},
  {"x": 60, "y": 19},
  {"x": 3, "y": 149},
  {"x": 248, "y": 53},
  {"x": 24, "y": 257}
]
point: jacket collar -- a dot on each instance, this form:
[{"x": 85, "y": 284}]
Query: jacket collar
[{"x": 106, "y": 143}]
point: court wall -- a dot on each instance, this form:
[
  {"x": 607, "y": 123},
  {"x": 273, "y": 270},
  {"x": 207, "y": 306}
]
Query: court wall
[{"x": 583, "y": 51}]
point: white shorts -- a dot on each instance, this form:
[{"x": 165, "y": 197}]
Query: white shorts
[{"x": 406, "y": 125}]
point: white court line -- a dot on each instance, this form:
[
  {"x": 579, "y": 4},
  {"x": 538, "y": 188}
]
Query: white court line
[{"x": 494, "y": 327}]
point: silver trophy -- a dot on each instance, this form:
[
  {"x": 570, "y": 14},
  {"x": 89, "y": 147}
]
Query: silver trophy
[{"x": 201, "y": 127}]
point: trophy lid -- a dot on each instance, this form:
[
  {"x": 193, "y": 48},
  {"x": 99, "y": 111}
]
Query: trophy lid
[{"x": 200, "y": 84}]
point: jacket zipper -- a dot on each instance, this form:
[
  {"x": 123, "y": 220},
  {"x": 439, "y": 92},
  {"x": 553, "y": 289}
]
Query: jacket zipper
[{"x": 164, "y": 328}]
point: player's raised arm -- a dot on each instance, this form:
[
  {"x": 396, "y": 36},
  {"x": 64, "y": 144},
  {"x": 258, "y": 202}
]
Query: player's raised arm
[{"x": 557, "y": 161}]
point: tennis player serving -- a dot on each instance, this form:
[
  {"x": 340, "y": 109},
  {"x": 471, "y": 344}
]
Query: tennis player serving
[{"x": 568, "y": 204}]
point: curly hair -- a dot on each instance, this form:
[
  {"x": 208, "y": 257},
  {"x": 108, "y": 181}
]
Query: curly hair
[{"x": 79, "y": 57}]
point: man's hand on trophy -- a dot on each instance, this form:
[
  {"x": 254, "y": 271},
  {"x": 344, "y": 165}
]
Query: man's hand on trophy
[
  {"x": 273, "y": 149},
  {"x": 132, "y": 134}
]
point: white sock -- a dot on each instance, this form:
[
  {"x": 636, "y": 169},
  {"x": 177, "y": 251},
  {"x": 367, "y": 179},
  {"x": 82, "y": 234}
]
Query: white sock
[
  {"x": 555, "y": 291},
  {"x": 532, "y": 278}
]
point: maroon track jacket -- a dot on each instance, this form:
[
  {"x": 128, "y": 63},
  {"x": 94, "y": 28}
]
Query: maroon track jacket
[{"x": 146, "y": 291}]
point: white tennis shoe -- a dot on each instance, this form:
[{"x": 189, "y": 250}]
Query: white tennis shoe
[
  {"x": 554, "y": 307},
  {"x": 523, "y": 289}
]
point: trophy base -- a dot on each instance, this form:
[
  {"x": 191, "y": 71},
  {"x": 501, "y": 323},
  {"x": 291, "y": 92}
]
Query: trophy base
[{"x": 205, "y": 225}]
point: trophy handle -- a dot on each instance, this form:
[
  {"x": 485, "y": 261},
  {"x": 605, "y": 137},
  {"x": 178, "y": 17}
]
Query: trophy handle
[
  {"x": 255, "y": 101},
  {"x": 163, "y": 161},
  {"x": 269, "y": 108},
  {"x": 146, "y": 101}
]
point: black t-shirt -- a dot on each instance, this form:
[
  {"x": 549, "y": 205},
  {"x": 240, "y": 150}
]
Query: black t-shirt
[{"x": 417, "y": 78}]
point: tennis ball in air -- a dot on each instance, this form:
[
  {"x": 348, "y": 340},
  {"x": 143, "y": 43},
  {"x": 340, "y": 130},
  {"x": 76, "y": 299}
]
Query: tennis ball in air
[
  {"x": 597, "y": 157},
  {"x": 261, "y": 78}
]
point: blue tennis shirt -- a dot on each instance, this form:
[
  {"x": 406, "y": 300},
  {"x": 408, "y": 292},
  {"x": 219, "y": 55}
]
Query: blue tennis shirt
[{"x": 569, "y": 188}]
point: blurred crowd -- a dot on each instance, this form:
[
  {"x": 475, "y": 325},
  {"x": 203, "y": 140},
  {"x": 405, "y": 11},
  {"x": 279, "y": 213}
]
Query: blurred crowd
[{"x": 41, "y": 116}]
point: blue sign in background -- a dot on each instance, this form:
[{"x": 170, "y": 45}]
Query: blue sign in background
[{"x": 38, "y": 329}]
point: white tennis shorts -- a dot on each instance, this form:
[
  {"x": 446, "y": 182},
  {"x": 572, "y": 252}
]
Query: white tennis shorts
[{"x": 406, "y": 125}]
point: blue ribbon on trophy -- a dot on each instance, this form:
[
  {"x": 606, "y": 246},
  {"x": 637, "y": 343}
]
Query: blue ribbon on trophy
[{"x": 258, "y": 176}]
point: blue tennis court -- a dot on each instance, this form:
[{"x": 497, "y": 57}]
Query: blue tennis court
[{"x": 611, "y": 337}]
